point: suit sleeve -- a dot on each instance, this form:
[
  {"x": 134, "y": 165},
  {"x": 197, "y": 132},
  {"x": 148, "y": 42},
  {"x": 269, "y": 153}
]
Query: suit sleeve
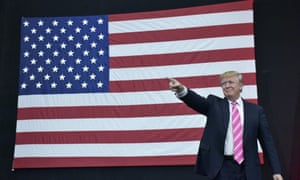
[
  {"x": 196, "y": 102},
  {"x": 267, "y": 143}
]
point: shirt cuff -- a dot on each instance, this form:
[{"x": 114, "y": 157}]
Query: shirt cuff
[{"x": 182, "y": 93}]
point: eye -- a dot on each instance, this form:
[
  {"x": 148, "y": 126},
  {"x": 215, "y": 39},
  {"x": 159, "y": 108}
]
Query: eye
[{"x": 227, "y": 82}]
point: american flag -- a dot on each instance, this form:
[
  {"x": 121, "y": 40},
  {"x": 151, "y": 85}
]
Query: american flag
[{"x": 93, "y": 90}]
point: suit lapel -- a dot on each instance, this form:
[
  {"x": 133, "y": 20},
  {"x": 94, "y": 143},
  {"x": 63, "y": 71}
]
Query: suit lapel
[
  {"x": 226, "y": 114},
  {"x": 246, "y": 118}
]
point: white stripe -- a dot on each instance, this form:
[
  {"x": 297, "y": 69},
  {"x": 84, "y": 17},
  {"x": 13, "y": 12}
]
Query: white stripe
[
  {"x": 239, "y": 154},
  {"x": 179, "y": 22},
  {"x": 112, "y": 124},
  {"x": 237, "y": 128},
  {"x": 107, "y": 150},
  {"x": 238, "y": 145},
  {"x": 185, "y": 70},
  {"x": 259, "y": 147},
  {"x": 119, "y": 99},
  {"x": 236, "y": 137},
  {"x": 193, "y": 45}
]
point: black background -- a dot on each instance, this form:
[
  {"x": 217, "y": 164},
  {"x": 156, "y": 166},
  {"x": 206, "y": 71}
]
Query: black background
[{"x": 277, "y": 28}]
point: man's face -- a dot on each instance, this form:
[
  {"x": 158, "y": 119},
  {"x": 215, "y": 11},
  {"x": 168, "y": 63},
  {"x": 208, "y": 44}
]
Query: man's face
[{"x": 231, "y": 87}]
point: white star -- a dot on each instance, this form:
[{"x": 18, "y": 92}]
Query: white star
[
  {"x": 93, "y": 76},
  {"x": 23, "y": 86},
  {"x": 93, "y": 60},
  {"x": 47, "y": 77},
  {"x": 101, "y": 68},
  {"x": 63, "y": 61},
  {"x": 63, "y": 46},
  {"x": 33, "y": 46},
  {"x": 26, "y": 24},
  {"x": 70, "y": 69},
  {"x": 78, "y": 45},
  {"x": 68, "y": 85},
  {"x": 41, "y": 38},
  {"x": 70, "y": 23},
  {"x": 55, "y": 53},
  {"x": 101, "y": 52},
  {"x": 25, "y": 70},
  {"x": 55, "y": 38},
  {"x": 70, "y": 53},
  {"x": 40, "y": 23},
  {"x": 71, "y": 38},
  {"x": 93, "y": 29},
  {"x": 62, "y": 77},
  {"x": 48, "y": 46},
  {"x": 33, "y": 61},
  {"x": 77, "y": 77},
  {"x": 85, "y": 37},
  {"x": 99, "y": 84},
  {"x": 41, "y": 53},
  {"x": 40, "y": 69},
  {"x": 86, "y": 53},
  {"x": 101, "y": 36},
  {"x": 48, "y": 61},
  {"x": 93, "y": 45},
  {"x": 100, "y": 21},
  {"x": 85, "y": 22},
  {"x": 77, "y": 30},
  {"x": 26, "y": 54},
  {"x": 53, "y": 85},
  {"x": 63, "y": 30},
  {"x": 48, "y": 30},
  {"x": 26, "y": 39},
  {"x": 84, "y": 85},
  {"x": 31, "y": 77},
  {"x": 55, "y": 69},
  {"x": 33, "y": 31},
  {"x": 78, "y": 61},
  {"x": 55, "y": 23},
  {"x": 85, "y": 69},
  {"x": 38, "y": 85}
]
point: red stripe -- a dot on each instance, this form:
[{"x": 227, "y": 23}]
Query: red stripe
[
  {"x": 84, "y": 137},
  {"x": 159, "y": 84},
  {"x": 103, "y": 161},
  {"x": 261, "y": 158},
  {"x": 107, "y": 111},
  {"x": 107, "y": 161},
  {"x": 183, "y": 58},
  {"x": 104, "y": 111},
  {"x": 181, "y": 34},
  {"x": 224, "y": 7}
]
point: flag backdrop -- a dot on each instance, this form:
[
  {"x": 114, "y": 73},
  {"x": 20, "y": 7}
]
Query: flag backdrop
[{"x": 93, "y": 90}]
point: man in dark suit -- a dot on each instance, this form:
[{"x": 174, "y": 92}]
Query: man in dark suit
[{"x": 222, "y": 154}]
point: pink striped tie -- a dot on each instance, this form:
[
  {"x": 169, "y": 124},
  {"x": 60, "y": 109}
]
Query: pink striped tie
[{"x": 237, "y": 134}]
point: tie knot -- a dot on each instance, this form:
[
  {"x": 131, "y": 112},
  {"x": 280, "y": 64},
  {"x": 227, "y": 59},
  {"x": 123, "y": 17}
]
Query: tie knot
[{"x": 234, "y": 103}]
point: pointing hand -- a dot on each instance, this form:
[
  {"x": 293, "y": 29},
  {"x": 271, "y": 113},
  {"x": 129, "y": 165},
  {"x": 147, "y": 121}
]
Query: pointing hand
[{"x": 175, "y": 85}]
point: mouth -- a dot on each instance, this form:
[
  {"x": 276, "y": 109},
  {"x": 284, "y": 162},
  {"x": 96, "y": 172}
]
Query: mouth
[{"x": 228, "y": 90}]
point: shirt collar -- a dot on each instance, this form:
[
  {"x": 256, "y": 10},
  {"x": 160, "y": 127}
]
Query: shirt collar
[{"x": 239, "y": 101}]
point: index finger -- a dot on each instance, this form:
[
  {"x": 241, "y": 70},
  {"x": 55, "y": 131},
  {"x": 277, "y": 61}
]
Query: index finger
[{"x": 171, "y": 79}]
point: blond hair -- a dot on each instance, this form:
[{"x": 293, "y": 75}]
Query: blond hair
[{"x": 230, "y": 74}]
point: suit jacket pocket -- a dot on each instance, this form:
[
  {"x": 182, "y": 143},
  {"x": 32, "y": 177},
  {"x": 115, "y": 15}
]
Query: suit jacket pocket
[{"x": 202, "y": 164}]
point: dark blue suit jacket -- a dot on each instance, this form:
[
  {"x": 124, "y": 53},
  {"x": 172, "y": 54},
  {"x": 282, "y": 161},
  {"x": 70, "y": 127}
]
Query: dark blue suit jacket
[{"x": 211, "y": 149}]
